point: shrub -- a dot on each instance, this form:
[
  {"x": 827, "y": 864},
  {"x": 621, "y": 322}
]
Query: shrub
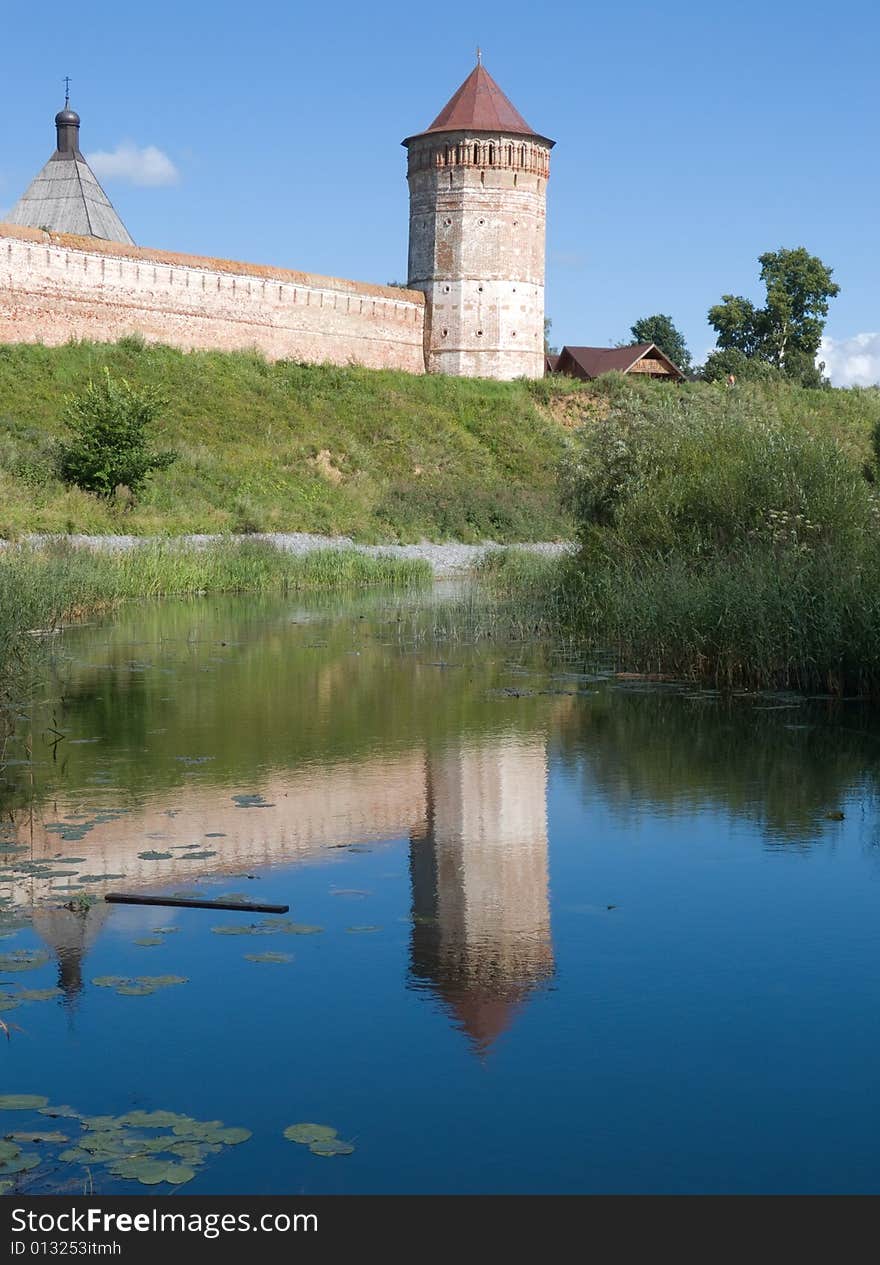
[{"x": 110, "y": 423}]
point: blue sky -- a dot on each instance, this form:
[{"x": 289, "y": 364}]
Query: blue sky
[{"x": 690, "y": 138}]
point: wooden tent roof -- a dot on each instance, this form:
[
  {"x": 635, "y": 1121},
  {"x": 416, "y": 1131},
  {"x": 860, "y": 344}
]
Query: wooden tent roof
[{"x": 590, "y": 362}]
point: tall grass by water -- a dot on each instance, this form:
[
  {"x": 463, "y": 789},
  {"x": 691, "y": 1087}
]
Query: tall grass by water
[
  {"x": 43, "y": 588},
  {"x": 723, "y": 538}
]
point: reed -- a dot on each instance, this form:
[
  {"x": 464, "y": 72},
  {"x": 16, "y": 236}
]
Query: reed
[{"x": 723, "y": 539}]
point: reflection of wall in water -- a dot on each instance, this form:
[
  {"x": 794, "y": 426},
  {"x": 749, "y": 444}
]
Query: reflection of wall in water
[
  {"x": 481, "y": 929},
  {"x": 478, "y": 824}
]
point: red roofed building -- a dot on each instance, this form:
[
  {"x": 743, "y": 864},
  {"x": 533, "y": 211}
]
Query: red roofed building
[{"x": 589, "y": 362}]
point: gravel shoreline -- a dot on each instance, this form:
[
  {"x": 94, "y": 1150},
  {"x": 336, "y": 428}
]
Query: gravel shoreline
[{"x": 447, "y": 560}]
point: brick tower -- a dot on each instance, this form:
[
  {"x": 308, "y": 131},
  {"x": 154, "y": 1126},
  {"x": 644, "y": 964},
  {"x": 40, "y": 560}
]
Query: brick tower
[{"x": 477, "y": 188}]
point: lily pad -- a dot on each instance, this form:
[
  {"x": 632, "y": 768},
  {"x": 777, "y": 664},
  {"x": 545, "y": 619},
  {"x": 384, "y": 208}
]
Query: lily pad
[
  {"x": 360, "y": 930},
  {"x": 147, "y": 941},
  {"x": 250, "y": 801},
  {"x": 64, "y": 1112},
  {"x": 152, "y": 1172},
  {"x": 193, "y": 1152},
  {"x": 20, "y": 1163},
  {"x": 198, "y": 856},
  {"x": 134, "y": 990},
  {"x": 152, "y": 1119},
  {"x": 155, "y": 856},
  {"x": 48, "y": 1135},
  {"x": 333, "y": 1146},
  {"x": 307, "y": 1133},
  {"x": 269, "y": 957},
  {"x": 23, "y": 960},
  {"x": 38, "y": 994},
  {"x": 22, "y": 1102},
  {"x": 110, "y": 981},
  {"x": 196, "y": 1129},
  {"x": 232, "y": 1135}
]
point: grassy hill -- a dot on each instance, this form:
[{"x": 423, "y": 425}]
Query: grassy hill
[
  {"x": 263, "y": 447},
  {"x": 378, "y": 455}
]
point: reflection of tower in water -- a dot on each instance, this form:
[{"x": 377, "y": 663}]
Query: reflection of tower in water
[
  {"x": 70, "y": 933},
  {"x": 481, "y": 916}
]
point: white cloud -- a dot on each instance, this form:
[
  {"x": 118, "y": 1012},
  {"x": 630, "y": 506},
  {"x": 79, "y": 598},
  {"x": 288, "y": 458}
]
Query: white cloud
[
  {"x": 147, "y": 166},
  {"x": 852, "y": 362}
]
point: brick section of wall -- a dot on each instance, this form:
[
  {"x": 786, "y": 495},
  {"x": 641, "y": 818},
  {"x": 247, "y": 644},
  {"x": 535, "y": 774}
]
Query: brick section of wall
[
  {"x": 476, "y": 250},
  {"x": 54, "y": 287}
]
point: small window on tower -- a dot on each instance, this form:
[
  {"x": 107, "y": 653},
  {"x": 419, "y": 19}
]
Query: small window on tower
[
  {"x": 491, "y": 155},
  {"x": 445, "y": 332}
]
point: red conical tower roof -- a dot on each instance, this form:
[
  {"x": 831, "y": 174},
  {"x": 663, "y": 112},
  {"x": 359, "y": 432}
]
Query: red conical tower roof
[{"x": 479, "y": 105}]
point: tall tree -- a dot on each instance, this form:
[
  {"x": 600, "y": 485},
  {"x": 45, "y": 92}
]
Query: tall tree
[
  {"x": 659, "y": 329},
  {"x": 787, "y": 330}
]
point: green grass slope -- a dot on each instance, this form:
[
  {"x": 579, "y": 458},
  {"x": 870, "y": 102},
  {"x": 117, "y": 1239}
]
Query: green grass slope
[{"x": 290, "y": 447}]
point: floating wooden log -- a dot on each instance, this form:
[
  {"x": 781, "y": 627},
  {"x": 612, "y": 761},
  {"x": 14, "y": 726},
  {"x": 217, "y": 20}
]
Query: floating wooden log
[{"x": 187, "y": 902}]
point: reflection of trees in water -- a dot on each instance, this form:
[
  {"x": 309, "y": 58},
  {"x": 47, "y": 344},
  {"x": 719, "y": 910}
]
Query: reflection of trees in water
[
  {"x": 290, "y": 686},
  {"x": 782, "y": 769}
]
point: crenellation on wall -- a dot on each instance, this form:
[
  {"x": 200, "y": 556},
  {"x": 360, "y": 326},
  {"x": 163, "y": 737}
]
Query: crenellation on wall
[{"x": 54, "y": 287}]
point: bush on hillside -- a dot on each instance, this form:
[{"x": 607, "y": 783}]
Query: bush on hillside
[{"x": 110, "y": 423}]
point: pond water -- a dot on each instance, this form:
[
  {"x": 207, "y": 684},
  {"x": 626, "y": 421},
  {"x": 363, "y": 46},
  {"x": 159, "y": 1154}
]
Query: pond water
[{"x": 549, "y": 930}]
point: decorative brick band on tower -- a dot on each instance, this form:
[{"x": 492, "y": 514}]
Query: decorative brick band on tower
[{"x": 478, "y": 181}]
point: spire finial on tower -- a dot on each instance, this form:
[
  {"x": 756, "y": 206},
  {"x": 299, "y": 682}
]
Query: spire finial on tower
[
  {"x": 67, "y": 124},
  {"x": 479, "y": 56}
]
